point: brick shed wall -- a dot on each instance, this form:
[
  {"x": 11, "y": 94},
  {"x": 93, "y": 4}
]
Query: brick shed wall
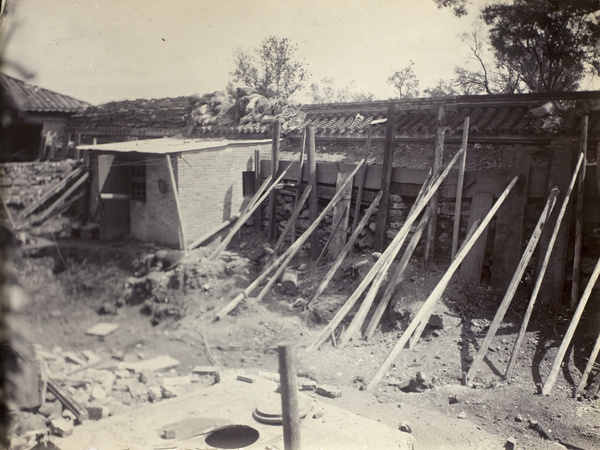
[{"x": 210, "y": 185}]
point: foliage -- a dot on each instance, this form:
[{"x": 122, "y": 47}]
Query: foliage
[
  {"x": 549, "y": 43},
  {"x": 459, "y": 7},
  {"x": 325, "y": 92},
  {"x": 405, "y": 82},
  {"x": 272, "y": 68}
]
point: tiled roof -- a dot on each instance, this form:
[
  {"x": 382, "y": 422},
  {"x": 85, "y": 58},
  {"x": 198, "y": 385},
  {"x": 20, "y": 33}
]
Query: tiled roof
[{"x": 27, "y": 97}]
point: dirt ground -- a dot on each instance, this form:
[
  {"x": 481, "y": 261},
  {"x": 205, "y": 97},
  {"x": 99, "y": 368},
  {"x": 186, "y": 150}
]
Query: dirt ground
[{"x": 87, "y": 282}]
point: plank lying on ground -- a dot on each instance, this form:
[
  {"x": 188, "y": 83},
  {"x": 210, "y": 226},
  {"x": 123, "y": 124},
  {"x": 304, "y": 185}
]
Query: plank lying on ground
[
  {"x": 429, "y": 304},
  {"x": 67, "y": 401},
  {"x": 542, "y": 271},
  {"x": 514, "y": 284},
  {"x": 293, "y": 248},
  {"x": 330, "y": 328},
  {"x": 349, "y": 245}
]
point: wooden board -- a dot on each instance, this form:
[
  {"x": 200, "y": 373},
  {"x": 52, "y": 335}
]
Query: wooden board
[
  {"x": 508, "y": 240},
  {"x": 113, "y": 179},
  {"x": 341, "y": 213},
  {"x": 470, "y": 268}
]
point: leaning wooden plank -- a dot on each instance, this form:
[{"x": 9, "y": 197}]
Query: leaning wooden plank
[
  {"x": 362, "y": 175},
  {"x": 571, "y": 331},
  {"x": 332, "y": 235},
  {"x": 396, "y": 277},
  {"x": 290, "y": 222},
  {"x": 514, "y": 284},
  {"x": 8, "y": 214},
  {"x": 63, "y": 198},
  {"x": 63, "y": 208},
  {"x": 272, "y": 211},
  {"x": 330, "y": 328},
  {"x": 246, "y": 216},
  {"x": 542, "y": 272},
  {"x": 350, "y": 244},
  {"x": 588, "y": 367},
  {"x": 470, "y": 269},
  {"x": 341, "y": 214},
  {"x": 293, "y": 248},
  {"x": 54, "y": 190},
  {"x": 459, "y": 187},
  {"x": 429, "y": 304},
  {"x": 299, "y": 182},
  {"x": 177, "y": 205},
  {"x": 211, "y": 233}
]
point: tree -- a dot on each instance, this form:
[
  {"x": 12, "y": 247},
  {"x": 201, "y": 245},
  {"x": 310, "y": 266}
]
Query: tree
[
  {"x": 405, "y": 81},
  {"x": 550, "y": 44},
  {"x": 325, "y": 92},
  {"x": 459, "y": 7},
  {"x": 272, "y": 68}
]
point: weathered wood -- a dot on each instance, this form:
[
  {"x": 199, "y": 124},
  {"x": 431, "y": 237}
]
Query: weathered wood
[
  {"x": 429, "y": 304},
  {"x": 386, "y": 178},
  {"x": 417, "y": 209},
  {"x": 331, "y": 236},
  {"x": 361, "y": 176},
  {"x": 571, "y": 331},
  {"x": 396, "y": 277},
  {"x": 334, "y": 268},
  {"x": 257, "y": 179},
  {"x": 470, "y": 269},
  {"x": 205, "y": 237},
  {"x": 341, "y": 214},
  {"x": 8, "y": 214},
  {"x": 542, "y": 272},
  {"x": 514, "y": 284},
  {"x": 313, "y": 205},
  {"x": 177, "y": 205},
  {"x": 459, "y": 188},
  {"x": 579, "y": 217},
  {"x": 588, "y": 367},
  {"x": 67, "y": 401},
  {"x": 508, "y": 239},
  {"x": 299, "y": 180},
  {"x": 274, "y": 168},
  {"x": 61, "y": 200},
  {"x": 289, "y": 398},
  {"x": 438, "y": 155},
  {"x": 42, "y": 150}
]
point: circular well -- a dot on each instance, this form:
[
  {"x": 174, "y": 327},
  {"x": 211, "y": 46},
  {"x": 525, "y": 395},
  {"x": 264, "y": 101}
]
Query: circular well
[{"x": 232, "y": 436}]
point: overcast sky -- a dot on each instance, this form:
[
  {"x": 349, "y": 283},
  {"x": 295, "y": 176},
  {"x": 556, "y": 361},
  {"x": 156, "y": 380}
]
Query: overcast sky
[{"x": 105, "y": 50}]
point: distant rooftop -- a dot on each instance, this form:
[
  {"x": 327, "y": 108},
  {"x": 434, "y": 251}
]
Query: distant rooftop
[{"x": 169, "y": 145}]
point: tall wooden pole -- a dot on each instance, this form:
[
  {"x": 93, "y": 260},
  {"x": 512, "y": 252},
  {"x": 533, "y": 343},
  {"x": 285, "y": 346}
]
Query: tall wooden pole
[
  {"x": 361, "y": 185},
  {"x": 313, "y": 206},
  {"x": 459, "y": 187},
  {"x": 258, "y": 212},
  {"x": 386, "y": 178},
  {"x": 579, "y": 217},
  {"x": 438, "y": 156},
  {"x": 176, "y": 196},
  {"x": 274, "y": 169},
  {"x": 289, "y": 398},
  {"x": 299, "y": 183}
]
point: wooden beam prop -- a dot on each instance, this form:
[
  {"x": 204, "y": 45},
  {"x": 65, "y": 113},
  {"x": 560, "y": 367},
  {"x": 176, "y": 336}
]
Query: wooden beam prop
[
  {"x": 588, "y": 367},
  {"x": 299, "y": 182},
  {"x": 571, "y": 331},
  {"x": 470, "y": 269},
  {"x": 280, "y": 260},
  {"x": 198, "y": 242},
  {"x": 61, "y": 200},
  {"x": 417, "y": 209},
  {"x": 334, "y": 229},
  {"x": 396, "y": 277},
  {"x": 274, "y": 169},
  {"x": 386, "y": 178},
  {"x": 459, "y": 188},
  {"x": 290, "y": 222},
  {"x": 438, "y": 155},
  {"x": 289, "y": 398},
  {"x": 350, "y": 244},
  {"x": 579, "y": 217},
  {"x": 542, "y": 272},
  {"x": 8, "y": 214},
  {"x": 429, "y": 304},
  {"x": 514, "y": 284},
  {"x": 313, "y": 203},
  {"x": 177, "y": 205},
  {"x": 341, "y": 214},
  {"x": 258, "y": 212},
  {"x": 362, "y": 175}
]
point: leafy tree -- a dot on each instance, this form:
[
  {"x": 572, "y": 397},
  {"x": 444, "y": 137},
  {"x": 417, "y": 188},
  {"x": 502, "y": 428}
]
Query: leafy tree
[
  {"x": 272, "y": 68},
  {"x": 550, "y": 44},
  {"x": 405, "y": 82},
  {"x": 459, "y": 7},
  {"x": 325, "y": 92}
]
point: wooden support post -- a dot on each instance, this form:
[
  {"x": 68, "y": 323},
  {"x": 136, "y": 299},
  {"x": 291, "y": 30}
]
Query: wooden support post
[
  {"x": 334, "y": 228},
  {"x": 341, "y": 213},
  {"x": 514, "y": 284},
  {"x": 429, "y": 304},
  {"x": 471, "y": 267},
  {"x": 542, "y": 272},
  {"x": 313, "y": 205},
  {"x": 258, "y": 212},
  {"x": 214, "y": 231},
  {"x": 42, "y": 151},
  {"x": 176, "y": 197},
  {"x": 299, "y": 182},
  {"x": 274, "y": 169},
  {"x": 386, "y": 178},
  {"x": 289, "y": 398},
  {"x": 350, "y": 244},
  {"x": 8, "y": 214},
  {"x": 459, "y": 188},
  {"x": 571, "y": 331},
  {"x": 588, "y": 367},
  {"x": 362, "y": 175},
  {"x": 579, "y": 217},
  {"x": 440, "y": 134},
  {"x": 77, "y": 152}
]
